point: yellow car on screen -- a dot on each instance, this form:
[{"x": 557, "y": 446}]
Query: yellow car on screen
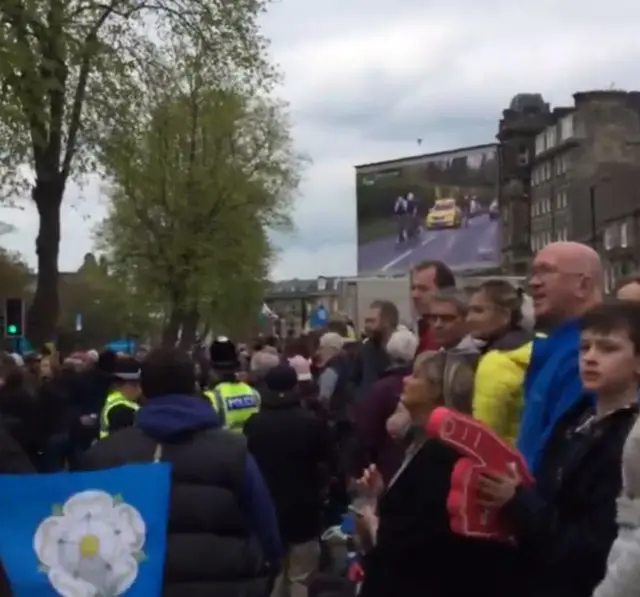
[{"x": 445, "y": 213}]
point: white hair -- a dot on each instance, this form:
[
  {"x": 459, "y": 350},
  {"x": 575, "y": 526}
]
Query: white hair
[
  {"x": 332, "y": 341},
  {"x": 402, "y": 345},
  {"x": 263, "y": 361}
]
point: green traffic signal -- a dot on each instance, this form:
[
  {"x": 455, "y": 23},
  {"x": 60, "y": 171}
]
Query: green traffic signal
[{"x": 12, "y": 330}]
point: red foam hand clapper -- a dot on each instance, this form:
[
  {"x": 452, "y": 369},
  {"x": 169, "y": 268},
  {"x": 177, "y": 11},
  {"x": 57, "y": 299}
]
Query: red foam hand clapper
[{"x": 482, "y": 450}]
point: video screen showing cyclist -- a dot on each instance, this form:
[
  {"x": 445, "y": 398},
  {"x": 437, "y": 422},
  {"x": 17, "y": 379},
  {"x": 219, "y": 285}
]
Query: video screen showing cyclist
[{"x": 400, "y": 213}]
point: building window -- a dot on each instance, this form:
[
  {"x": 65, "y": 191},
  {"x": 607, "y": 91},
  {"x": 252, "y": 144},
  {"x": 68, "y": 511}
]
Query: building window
[
  {"x": 523, "y": 155},
  {"x": 551, "y": 137},
  {"x": 624, "y": 235},
  {"x": 548, "y": 205},
  {"x": 561, "y": 200},
  {"x": 608, "y": 274},
  {"x": 566, "y": 127},
  {"x": 608, "y": 238},
  {"x": 540, "y": 147}
]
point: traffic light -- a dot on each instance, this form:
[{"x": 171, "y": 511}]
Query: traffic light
[{"x": 14, "y": 318}]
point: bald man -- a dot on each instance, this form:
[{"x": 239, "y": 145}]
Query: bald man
[{"x": 566, "y": 281}]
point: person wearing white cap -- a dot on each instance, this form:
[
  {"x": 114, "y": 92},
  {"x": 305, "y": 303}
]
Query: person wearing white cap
[
  {"x": 302, "y": 368},
  {"x": 306, "y": 385}
]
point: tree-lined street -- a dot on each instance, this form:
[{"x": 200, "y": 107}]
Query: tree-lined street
[{"x": 175, "y": 105}]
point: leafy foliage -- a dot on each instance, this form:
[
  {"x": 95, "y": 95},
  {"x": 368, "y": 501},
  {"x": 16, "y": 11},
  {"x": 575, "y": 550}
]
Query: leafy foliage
[
  {"x": 70, "y": 68},
  {"x": 67, "y": 68},
  {"x": 14, "y": 275},
  {"x": 195, "y": 186}
]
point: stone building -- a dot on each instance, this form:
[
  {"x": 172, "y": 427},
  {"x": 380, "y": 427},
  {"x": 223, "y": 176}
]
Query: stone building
[
  {"x": 293, "y": 300},
  {"x": 581, "y": 178},
  {"x": 527, "y": 115}
]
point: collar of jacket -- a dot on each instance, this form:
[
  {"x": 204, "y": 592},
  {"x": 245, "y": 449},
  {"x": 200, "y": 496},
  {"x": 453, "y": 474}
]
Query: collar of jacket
[{"x": 280, "y": 400}]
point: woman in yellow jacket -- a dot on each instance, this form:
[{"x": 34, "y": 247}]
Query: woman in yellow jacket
[{"x": 495, "y": 317}]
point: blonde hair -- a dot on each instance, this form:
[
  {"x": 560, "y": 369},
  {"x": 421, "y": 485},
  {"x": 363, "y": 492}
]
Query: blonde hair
[{"x": 451, "y": 375}]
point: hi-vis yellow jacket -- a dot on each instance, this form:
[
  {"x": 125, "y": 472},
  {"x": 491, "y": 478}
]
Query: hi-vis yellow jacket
[{"x": 234, "y": 402}]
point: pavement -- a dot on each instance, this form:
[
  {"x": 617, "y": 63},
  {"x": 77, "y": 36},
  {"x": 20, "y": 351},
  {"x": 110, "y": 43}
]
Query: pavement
[{"x": 464, "y": 248}]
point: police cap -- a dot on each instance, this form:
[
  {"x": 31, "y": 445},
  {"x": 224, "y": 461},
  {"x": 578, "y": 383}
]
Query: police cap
[
  {"x": 223, "y": 354},
  {"x": 126, "y": 368}
]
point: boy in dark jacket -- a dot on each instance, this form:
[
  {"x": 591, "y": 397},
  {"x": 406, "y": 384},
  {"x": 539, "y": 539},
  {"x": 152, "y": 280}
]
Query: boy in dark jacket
[{"x": 566, "y": 523}]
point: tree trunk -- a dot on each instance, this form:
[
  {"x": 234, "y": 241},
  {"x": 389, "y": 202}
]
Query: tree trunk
[
  {"x": 43, "y": 313},
  {"x": 189, "y": 329},
  {"x": 172, "y": 329}
]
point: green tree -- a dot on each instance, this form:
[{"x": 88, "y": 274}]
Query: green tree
[
  {"x": 67, "y": 69},
  {"x": 195, "y": 186},
  {"x": 15, "y": 277}
]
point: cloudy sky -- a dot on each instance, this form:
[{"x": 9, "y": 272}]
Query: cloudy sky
[{"x": 366, "y": 78}]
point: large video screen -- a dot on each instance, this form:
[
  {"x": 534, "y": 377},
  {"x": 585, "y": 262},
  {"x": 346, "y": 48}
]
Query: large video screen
[{"x": 440, "y": 206}]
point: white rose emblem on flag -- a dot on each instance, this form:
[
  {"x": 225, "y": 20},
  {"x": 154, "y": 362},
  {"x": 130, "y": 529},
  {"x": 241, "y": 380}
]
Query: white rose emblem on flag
[{"x": 91, "y": 546}]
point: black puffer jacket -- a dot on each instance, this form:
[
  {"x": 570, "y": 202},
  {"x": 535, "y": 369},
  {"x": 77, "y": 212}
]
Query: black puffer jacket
[{"x": 211, "y": 549}]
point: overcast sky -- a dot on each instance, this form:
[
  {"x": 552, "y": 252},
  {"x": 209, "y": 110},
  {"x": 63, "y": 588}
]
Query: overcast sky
[{"x": 366, "y": 78}]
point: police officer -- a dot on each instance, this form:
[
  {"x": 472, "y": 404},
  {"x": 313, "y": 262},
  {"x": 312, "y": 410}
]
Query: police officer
[
  {"x": 234, "y": 400},
  {"x": 122, "y": 403}
]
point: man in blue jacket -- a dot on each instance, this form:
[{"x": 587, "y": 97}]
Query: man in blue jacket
[{"x": 566, "y": 281}]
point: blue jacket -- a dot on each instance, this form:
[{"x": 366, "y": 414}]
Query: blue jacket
[{"x": 552, "y": 386}]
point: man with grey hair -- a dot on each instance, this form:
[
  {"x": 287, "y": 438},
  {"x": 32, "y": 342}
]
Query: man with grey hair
[
  {"x": 262, "y": 362},
  {"x": 447, "y": 320}
]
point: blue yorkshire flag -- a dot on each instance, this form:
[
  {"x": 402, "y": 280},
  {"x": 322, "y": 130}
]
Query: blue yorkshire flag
[{"x": 89, "y": 534}]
